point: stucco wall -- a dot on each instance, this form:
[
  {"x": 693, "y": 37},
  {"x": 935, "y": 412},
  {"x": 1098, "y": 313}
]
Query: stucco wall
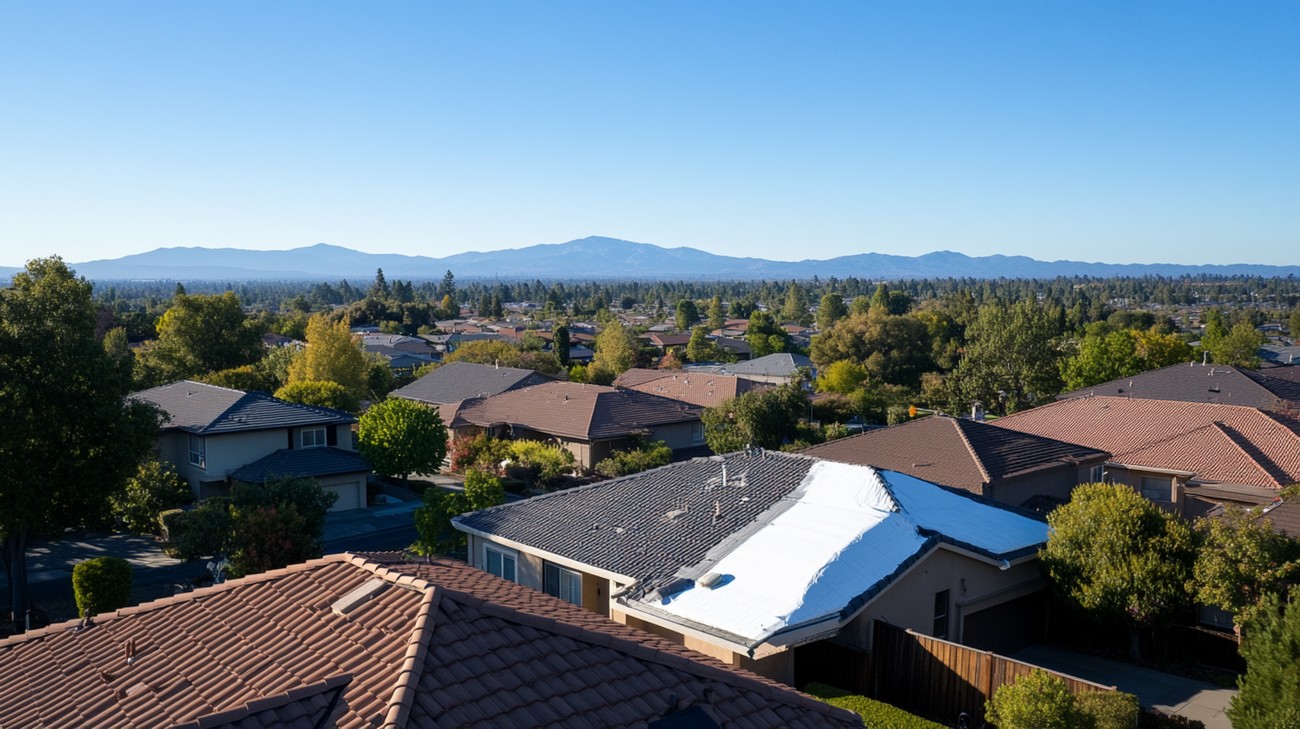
[
  {"x": 528, "y": 572},
  {"x": 1057, "y": 483},
  {"x": 972, "y": 586},
  {"x": 676, "y": 435}
]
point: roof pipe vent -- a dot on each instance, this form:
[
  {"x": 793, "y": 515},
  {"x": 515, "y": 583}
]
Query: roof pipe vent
[
  {"x": 358, "y": 597},
  {"x": 709, "y": 581}
]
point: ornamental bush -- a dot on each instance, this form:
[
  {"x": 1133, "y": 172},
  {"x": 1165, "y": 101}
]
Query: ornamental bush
[
  {"x": 101, "y": 585},
  {"x": 1109, "y": 709},
  {"x": 644, "y": 458},
  {"x": 155, "y": 488},
  {"x": 1036, "y": 701},
  {"x": 875, "y": 714}
]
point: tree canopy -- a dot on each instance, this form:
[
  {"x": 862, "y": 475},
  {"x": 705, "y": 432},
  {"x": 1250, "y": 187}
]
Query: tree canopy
[
  {"x": 764, "y": 419},
  {"x": 71, "y": 437},
  {"x": 400, "y": 437},
  {"x": 198, "y": 334},
  {"x": 1241, "y": 561},
  {"x": 1119, "y": 557},
  {"x": 332, "y": 355}
]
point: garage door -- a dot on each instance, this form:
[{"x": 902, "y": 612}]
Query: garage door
[
  {"x": 349, "y": 495},
  {"x": 1007, "y": 627}
]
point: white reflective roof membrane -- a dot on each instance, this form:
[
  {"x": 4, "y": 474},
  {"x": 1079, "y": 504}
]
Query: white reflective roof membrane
[
  {"x": 962, "y": 519},
  {"x": 844, "y": 534},
  {"x": 840, "y": 537}
]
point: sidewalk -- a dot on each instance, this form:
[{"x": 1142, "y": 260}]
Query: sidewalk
[{"x": 1193, "y": 699}]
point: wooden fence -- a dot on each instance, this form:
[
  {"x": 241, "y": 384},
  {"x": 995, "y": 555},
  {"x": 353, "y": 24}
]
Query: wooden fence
[{"x": 939, "y": 679}]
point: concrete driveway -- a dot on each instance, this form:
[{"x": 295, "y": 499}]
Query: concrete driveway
[{"x": 1193, "y": 699}]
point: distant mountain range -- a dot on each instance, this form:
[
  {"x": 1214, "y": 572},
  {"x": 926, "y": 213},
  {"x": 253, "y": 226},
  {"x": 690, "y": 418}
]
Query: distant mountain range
[{"x": 604, "y": 258}]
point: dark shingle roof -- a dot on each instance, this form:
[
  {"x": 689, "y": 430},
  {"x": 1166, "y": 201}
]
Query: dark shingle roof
[
  {"x": 650, "y": 523},
  {"x": 782, "y": 364},
  {"x": 1201, "y": 383},
  {"x": 195, "y": 407},
  {"x": 576, "y": 410},
  {"x": 298, "y": 462},
  {"x": 436, "y": 644},
  {"x": 456, "y": 381},
  {"x": 955, "y": 452}
]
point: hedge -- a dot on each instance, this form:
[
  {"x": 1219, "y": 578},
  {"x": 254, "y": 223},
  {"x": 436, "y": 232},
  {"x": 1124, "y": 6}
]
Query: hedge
[
  {"x": 101, "y": 585},
  {"x": 875, "y": 714}
]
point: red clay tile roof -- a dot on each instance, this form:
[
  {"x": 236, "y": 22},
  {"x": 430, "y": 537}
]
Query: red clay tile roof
[
  {"x": 440, "y": 644},
  {"x": 955, "y": 452},
  {"x": 575, "y": 410},
  {"x": 1220, "y": 443},
  {"x": 697, "y": 388}
]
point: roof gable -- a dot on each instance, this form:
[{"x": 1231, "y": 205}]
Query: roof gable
[{"x": 577, "y": 410}]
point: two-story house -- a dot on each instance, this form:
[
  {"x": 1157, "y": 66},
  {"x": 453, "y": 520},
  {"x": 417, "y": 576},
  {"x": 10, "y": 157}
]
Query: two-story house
[{"x": 216, "y": 435}]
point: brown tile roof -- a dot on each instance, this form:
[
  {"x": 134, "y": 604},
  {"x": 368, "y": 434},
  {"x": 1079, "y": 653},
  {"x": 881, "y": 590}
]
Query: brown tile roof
[
  {"x": 955, "y": 452},
  {"x": 1220, "y": 443},
  {"x": 1285, "y": 517},
  {"x": 640, "y": 375},
  {"x": 439, "y": 644},
  {"x": 697, "y": 388},
  {"x": 576, "y": 410},
  {"x": 1202, "y": 383}
]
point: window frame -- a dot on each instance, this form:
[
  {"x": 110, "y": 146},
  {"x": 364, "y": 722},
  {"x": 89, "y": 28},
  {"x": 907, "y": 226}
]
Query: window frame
[
  {"x": 198, "y": 457},
  {"x": 1167, "y": 486},
  {"x": 320, "y": 435},
  {"x": 560, "y": 573},
  {"x": 697, "y": 433},
  {"x": 505, "y": 554},
  {"x": 942, "y": 610}
]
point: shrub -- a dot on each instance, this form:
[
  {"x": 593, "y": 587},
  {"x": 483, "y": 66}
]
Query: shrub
[
  {"x": 1156, "y": 719},
  {"x": 153, "y": 489},
  {"x": 101, "y": 585},
  {"x": 322, "y": 393},
  {"x": 200, "y": 532},
  {"x": 536, "y": 463},
  {"x": 483, "y": 490},
  {"x": 875, "y": 714},
  {"x": 435, "y": 534},
  {"x": 270, "y": 537},
  {"x": 1036, "y": 701},
  {"x": 481, "y": 452},
  {"x": 1109, "y": 709},
  {"x": 643, "y": 458}
]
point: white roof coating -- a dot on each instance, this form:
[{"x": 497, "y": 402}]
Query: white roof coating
[{"x": 843, "y": 534}]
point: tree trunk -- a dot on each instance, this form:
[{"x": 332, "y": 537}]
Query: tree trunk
[
  {"x": 16, "y": 560},
  {"x": 1135, "y": 644}
]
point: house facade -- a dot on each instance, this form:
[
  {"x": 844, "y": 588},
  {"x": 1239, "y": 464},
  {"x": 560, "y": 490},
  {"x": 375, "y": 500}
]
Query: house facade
[
  {"x": 748, "y": 556},
  {"x": 216, "y": 435}
]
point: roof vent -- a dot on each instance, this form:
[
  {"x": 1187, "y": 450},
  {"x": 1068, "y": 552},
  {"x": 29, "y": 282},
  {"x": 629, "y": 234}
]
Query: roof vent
[
  {"x": 675, "y": 514},
  {"x": 357, "y": 597},
  {"x": 709, "y": 581}
]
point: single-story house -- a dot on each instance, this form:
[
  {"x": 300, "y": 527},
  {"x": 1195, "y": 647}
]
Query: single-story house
[
  {"x": 1185, "y": 456},
  {"x": 216, "y": 435},
  {"x": 591, "y": 421},
  {"x": 457, "y": 381},
  {"x": 1018, "y": 469},
  {"x": 749, "y": 556},
  {"x": 348, "y": 641},
  {"x": 776, "y": 369}
]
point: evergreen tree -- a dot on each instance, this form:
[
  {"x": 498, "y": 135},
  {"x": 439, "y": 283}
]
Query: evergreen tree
[
  {"x": 1269, "y": 695},
  {"x": 717, "y": 318},
  {"x": 687, "y": 315},
  {"x": 830, "y": 310}
]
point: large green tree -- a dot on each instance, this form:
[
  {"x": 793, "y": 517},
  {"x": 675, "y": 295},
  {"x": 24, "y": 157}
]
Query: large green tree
[
  {"x": 1269, "y": 695},
  {"x": 795, "y": 308},
  {"x": 687, "y": 315},
  {"x": 1119, "y": 557},
  {"x": 830, "y": 310},
  {"x": 616, "y": 353},
  {"x": 199, "y": 334},
  {"x": 1242, "y": 560},
  {"x": 764, "y": 336},
  {"x": 332, "y": 355},
  {"x": 400, "y": 437},
  {"x": 765, "y": 419},
  {"x": 1011, "y": 357},
  {"x": 1239, "y": 347},
  {"x": 71, "y": 437},
  {"x": 892, "y": 349}
]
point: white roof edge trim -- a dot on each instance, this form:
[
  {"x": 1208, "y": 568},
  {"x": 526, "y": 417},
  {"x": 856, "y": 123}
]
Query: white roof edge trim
[
  {"x": 633, "y": 610},
  {"x": 548, "y": 556}
]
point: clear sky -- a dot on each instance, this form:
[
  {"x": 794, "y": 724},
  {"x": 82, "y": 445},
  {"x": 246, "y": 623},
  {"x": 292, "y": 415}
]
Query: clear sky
[{"x": 1133, "y": 131}]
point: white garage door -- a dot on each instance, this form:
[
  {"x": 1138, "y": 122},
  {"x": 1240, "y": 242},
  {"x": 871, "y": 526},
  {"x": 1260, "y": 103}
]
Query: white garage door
[{"x": 349, "y": 493}]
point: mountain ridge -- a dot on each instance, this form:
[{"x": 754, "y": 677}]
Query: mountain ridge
[{"x": 597, "y": 257}]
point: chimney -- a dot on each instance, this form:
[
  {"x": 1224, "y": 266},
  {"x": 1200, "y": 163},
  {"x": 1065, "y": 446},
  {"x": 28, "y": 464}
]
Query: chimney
[{"x": 977, "y": 412}]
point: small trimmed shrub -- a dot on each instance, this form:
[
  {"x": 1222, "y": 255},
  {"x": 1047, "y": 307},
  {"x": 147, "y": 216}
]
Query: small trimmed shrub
[
  {"x": 538, "y": 464},
  {"x": 1036, "y": 701},
  {"x": 1109, "y": 709},
  {"x": 875, "y": 714},
  {"x": 200, "y": 532},
  {"x": 101, "y": 585}
]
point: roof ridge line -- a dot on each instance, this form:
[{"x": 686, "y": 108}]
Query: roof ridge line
[
  {"x": 1261, "y": 461},
  {"x": 412, "y": 668},
  {"x": 970, "y": 448},
  {"x": 229, "y": 716}
]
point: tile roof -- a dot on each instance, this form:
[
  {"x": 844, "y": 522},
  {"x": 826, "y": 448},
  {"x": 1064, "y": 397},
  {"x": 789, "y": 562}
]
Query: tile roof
[
  {"x": 456, "y": 381},
  {"x": 1219, "y": 443},
  {"x": 298, "y": 462},
  {"x": 956, "y": 452},
  {"x": 1201, "y": 383},
  {"x": 576, "y": 410},
  {"x": 195, "y": 407},
  {"x": 705, "y": 389},
  {"x": 438, "y": 644},
  {"x": 1285, "y": 517}
]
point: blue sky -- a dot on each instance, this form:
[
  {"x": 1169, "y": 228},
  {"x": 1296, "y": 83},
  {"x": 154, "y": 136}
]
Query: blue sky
[{"x": 1135, "y": 131}]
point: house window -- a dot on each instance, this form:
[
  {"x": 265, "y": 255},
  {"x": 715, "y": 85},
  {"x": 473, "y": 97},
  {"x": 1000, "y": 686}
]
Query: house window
[
  {"x": 1157, "y": 489},
  {"x": 1097, "y": 474},
  {"x": 562, "y": 583},
  {"x": 500, "y": 562},
  {"x": 940, "y": 614},
  {"x": 1215, "y": 617},
  {"x": 697, "y": 432},
  {"x": 313, "y": 438},
  {"x": 198, "y": 451}
]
